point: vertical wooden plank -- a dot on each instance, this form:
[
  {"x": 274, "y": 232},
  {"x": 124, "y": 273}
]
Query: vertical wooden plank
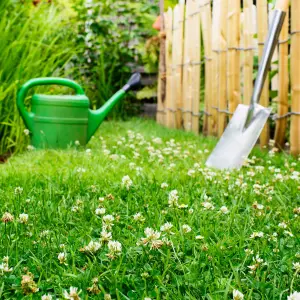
[
  {"x": 222, "y": 97},
  {"x": 170, "y": 109},
  {"x": 206, "y": 25},
  {"x": 233, "y": 74},
  {"x": 274, "y": 66},
  {"x": 196, "y": 66},
  {"x": 283, "y": 87},
  {"x": 177, "y": 61},
  {"x": 215, "y": 64},
  {"x": 161, "y": 92},
  {"x": 248, "y": 55},
  {"x": 187, "y": 68},
  {"x": 295, "y": 68},
  {"x": 262, "y": 32}
]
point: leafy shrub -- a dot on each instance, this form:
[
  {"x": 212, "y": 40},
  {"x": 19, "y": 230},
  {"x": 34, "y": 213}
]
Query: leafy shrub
[{"x": 112, "y": 37}]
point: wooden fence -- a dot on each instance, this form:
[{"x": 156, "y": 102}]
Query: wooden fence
[{"x": 212, "y": 52}]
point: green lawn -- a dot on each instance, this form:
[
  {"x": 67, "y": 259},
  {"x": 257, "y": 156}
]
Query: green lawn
[{"x": 181, "y": 231}]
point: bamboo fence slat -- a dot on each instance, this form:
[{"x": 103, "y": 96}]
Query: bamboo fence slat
[
  {"x": 233, "y": 73},
  {"x": 262, "y": 24},
  {"x": 177, "y": 61},
  {"x": 187, "y": 68},
  {"x": 170, "y": 107},
  {"x": 274, "y": 66},
  {"x": 161, "y": 88},
  {"x": 295, "y": 78},
  {"x": 222, "y": 96},
  {"x": 206, "y": 25},
  {"x": 283, "y": 86},
  {"x": 196, "y": 67},
  {"x": 248, "y": 52},
  {"x": 215, "y": 64}
]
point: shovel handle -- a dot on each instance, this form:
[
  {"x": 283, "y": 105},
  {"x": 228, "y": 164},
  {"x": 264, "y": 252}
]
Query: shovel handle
[{"x": 283, "y": 5}]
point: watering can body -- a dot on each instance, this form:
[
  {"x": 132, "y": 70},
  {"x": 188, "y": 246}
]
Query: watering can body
[{"x": 58, "y": 121}]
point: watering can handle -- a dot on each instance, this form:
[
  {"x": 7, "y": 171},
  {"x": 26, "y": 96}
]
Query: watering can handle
[{"x": 28, "y": 116}]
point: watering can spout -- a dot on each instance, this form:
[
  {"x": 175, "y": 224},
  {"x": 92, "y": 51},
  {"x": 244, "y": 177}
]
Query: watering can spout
[{"x": 96, "y": 117}]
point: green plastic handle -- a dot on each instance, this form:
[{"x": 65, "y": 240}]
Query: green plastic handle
[{"x": 28, "y": 116}]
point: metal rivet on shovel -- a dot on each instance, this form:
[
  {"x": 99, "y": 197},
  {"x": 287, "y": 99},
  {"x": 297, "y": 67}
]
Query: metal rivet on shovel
[{"x": 248, "y": 122}]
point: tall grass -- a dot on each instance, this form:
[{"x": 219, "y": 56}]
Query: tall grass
[{"x": 35, "y": 42}]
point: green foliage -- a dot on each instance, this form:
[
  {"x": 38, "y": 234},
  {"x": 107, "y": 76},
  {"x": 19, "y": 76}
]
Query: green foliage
[
  {"x": 63, "y": 189},
  {"x": 35, "y": 42},
  {"x": 111, "y": 35}
]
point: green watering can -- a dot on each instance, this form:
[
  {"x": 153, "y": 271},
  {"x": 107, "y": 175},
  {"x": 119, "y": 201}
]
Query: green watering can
[{"x": 56, "y": 121}]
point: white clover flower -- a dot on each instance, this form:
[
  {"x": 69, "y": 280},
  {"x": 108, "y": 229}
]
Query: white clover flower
[
  {"x": 286, "y": 232},
  {"x": 88, "y": 151},
  {"x": 138, "y": 217},
  {"x": 173, "y": 198},
  {"x": 191, "y": 172},
  {"x": 282, "y": 225},
  {"x": 249, "y": 251},
  {"x": 47, "y": 297},
  {"x": 23, "y": 218},
  {"x": 126, "y": 182},
  {"x": 256, "y": 235},
  {"x": 294, "y": 296},
  {"x": 164, "y": 185},
  {"x": 296, "y": 266},
  {"x": 224, "y": 210},
  {"x": 167, "y": 227},
  {"x": 100, "y": 211},
  {"x": 106, "y": 152},
  {"x": 77, "y": 143},
  {"x": 237, "y": 295},
  {"x": 105, "y": 236},
  {"x": 208, "y": 205},
  {"x": 191, "y": 211},
  {"x": 62, "y": 257},
  {"x": 115, "y": 249},
  {"x": 92, "y": 247},
  {"x": 157, "y": 140},
  {"x": 18, "y": 190},
  {"x": 26, "y": 132},
  {"x": 186, "y": 228},
  {"x": 4, "y": 267},
  {"x": 199, "y": 237},
  {"x": 7, "y": 217},
  {"x": 80, "y": 170},
  {"x": 73, "y": 295}
]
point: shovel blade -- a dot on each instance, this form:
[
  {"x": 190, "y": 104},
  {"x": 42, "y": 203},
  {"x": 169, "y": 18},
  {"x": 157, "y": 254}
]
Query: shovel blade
[{"x": 237, "y": 141}]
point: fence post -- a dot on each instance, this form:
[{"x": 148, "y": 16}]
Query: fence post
[
  {"x": 295, "y": 68},
  {"x": 283, "y": 88},
  {"x": 262, "y": 25},
  {"x": 206, "y": 22}
]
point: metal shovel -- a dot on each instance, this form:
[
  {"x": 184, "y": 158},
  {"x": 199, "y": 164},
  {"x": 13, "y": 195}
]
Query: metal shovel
[{"x": 248, "y": 122}]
